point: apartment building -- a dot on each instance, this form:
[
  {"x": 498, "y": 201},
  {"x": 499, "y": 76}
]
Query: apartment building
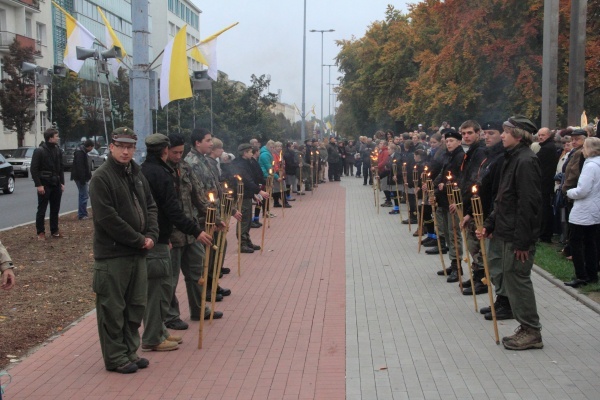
[{"x": 29, "y": 22}]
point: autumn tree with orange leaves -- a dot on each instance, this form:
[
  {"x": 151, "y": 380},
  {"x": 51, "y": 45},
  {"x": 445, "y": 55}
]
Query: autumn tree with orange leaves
[{"x": 455, "y": 60}]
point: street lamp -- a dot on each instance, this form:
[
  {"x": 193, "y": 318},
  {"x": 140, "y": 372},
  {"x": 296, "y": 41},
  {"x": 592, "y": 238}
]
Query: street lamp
[
  {"x": 329, "y": 91},
  {"x": 322, "y": 31}
]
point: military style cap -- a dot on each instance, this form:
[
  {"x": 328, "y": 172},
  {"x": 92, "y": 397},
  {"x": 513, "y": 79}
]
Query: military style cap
[
  {"x": 124, "y": 135},
  {"x": 522, "y": 122},
  {"x": 451, "y": 133},
  {"x": 157, "y": 140},
  {"x": 578, "y": 132},
  {"x": 492, "y": 126},
  {"x": 243, "y": 147}
]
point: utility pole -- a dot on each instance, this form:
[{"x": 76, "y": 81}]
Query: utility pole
[
  {"x": 303, "y": 116},
  {"x": 322, "y": 31},
  {"x": 577, "y": 61},
  {"x": 550, "y": 63},
  {"x": 142, "y": 123}
]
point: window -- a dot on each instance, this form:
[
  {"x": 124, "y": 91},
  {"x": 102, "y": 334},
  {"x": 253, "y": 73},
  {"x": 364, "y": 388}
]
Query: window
[
  {"x": 40, "y": 33},
  {"x": 28, "y": 28},
  {"x": 2, "y": 19},
  {"x": 43, "y": 121}
]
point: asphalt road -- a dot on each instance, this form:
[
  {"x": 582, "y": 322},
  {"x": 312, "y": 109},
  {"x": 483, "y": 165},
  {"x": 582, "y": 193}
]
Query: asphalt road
[{"x": 21, "y": 206}]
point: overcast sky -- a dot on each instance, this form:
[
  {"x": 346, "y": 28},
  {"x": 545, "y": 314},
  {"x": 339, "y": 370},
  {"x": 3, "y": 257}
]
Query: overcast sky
[{"x": 268, "y": 40}]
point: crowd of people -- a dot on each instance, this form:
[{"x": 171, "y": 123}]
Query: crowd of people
[
  {"x": 150, "y": 225},
  {"x": 150, "y": 220},
  {"x": 532, "y": 184}
]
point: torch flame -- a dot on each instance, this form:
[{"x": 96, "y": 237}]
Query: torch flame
[
  {"x": 225, "y": 185},
  {"x": 239, "y": 178},
  {"x": 449, "y": 177},
  {"x": 211, "y": 197},
  {"x": 394, "y": 161},
  {"x": 426, "y": 168},
  {"x": 429, "y": 174},
  {"x": 270, "y": 171},
  {"x": 404, "y": 164},
  {"x": 415, "y": 167},
  {"x": 474, "y": 189}
]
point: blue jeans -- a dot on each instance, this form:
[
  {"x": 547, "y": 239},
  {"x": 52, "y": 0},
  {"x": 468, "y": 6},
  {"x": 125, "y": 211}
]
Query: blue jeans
[{"x": 83, "y": 199}]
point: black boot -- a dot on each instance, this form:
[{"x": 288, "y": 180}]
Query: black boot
[
  {"x": 449, "y": 269},
  {"x": 435, "y": 250},
  {"x": 503, "y": 309},
  {"x": 453, "y": 277},
  {"x": 478, "y": 275}
]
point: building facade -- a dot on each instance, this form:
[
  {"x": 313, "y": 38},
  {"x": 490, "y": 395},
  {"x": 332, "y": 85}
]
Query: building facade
[{"x": 30, "y": 23}]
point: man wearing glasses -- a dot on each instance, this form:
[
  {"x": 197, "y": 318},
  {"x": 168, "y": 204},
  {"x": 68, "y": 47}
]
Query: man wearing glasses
[{"x": 125, "y": 228}]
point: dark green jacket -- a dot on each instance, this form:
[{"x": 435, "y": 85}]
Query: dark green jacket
[{"x": 124, "y": 210}]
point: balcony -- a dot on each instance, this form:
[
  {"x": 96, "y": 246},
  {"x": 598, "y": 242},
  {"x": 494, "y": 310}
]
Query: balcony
[
  {"x": 7, "y": 38},
  {"x": 31, "y": 4}
]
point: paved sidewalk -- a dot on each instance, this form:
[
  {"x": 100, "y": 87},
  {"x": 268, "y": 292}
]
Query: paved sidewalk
[
  {"x": 282, "y": 336},
  {"x": 411, "y": 335}
]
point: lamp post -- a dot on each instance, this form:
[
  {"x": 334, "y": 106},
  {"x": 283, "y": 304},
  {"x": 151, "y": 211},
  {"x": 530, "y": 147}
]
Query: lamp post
[
  {"x": 303, "y": 124},
  {"x": 322, "y": 31},
  {"x": 329, "y": 88}
]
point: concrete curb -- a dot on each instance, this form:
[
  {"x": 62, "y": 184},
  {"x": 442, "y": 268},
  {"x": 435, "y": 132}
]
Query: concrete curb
[
  {"x": 569, "y": 290},
  {"x": 33, "y": 222}
]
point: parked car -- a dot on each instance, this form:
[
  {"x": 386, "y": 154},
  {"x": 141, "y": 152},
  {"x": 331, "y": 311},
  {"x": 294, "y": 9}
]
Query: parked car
[
  {"x": 67, "y": 154},
  {"x": 21, "y": 160},
  {"x": 8, "y": 153},
  {"x": 7, "y": 176},
  {"x": 95, "y": 159}
]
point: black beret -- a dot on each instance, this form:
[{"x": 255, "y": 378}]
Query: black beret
[
  {"x": 522, "y": 122},
  {"x": 451, "y": 133},
  {"x": 578, "y": 132},
  {"x": 492, "y": 126}
]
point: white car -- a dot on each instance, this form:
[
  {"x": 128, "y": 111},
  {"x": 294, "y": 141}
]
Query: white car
[{"x": 21, "y": 160}]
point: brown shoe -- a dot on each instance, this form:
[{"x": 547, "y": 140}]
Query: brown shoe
[
  {"x": 176, "y": 339},
  {"x": 525, "y": 337},
  {"x": 41, "y": 236},
  {"x": 164, "y": 346}
]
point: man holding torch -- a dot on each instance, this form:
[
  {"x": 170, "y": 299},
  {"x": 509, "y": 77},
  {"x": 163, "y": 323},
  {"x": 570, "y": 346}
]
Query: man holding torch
[{"x": 513, "y": 228}]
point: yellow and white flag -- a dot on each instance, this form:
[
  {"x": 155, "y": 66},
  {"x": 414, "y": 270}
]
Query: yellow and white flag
[
  {"x": 77, "y": 35},
  {"x": 112, "y": 40},
  {"x": 174, "y": 76},
  {"x": 205, "y": 52}
]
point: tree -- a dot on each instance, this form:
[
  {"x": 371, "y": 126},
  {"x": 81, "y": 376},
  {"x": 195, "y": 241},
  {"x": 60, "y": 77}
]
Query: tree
[
  {"x": 18, "y": 93},
  {"x": 66, "y": 105},
  {"x": 121, "y": 110}
]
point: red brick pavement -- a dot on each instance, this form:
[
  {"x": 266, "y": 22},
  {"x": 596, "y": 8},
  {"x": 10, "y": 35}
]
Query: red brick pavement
[{"x": 282, "y": 336}]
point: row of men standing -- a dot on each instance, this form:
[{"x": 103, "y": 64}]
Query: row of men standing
[
  {"x": 506, "y": 174},
  {"x": 149, "y": 226}
]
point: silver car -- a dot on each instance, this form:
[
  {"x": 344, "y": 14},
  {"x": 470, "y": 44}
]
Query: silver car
[
  {"x": 21, "y": 160},
  {"x": 96, "y": 158}
]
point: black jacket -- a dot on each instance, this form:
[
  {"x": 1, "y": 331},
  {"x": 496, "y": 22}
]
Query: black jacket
[
  {"x": 333, "y": 154},
  {"x": 257, "y": 173},
  {"x": 291, "y": 162},
  {"x": 47, "y": 166},
  {"x": 243, "y": 168},
  {"x": 469, "y": 171},
  {"x": 488, "y": 177},
  {"x": 453, "y": 163},
  {"x": 80, "y": 171},
  {"x": 548, "y": 161},
  {"x": 516, "y": 214},
  {"x": 159, "y": 177}
]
